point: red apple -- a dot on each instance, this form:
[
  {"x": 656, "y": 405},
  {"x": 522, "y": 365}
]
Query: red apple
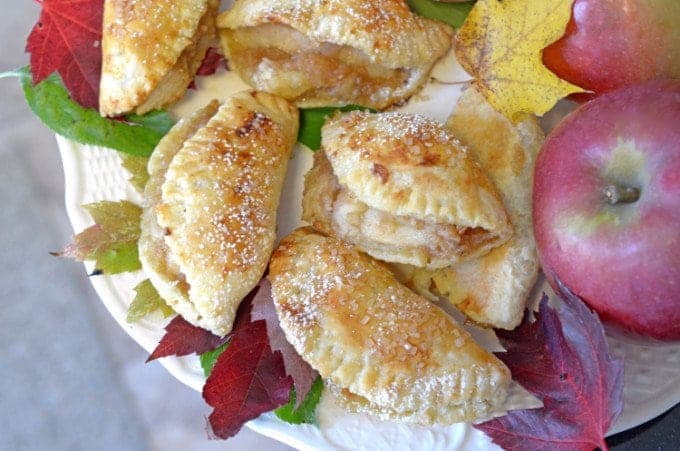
[
  {"x": 609, "y": 44},
  {"x": 606, "y": 206}
]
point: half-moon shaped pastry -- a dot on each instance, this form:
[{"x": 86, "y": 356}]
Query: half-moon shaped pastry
[
  {"x": 400, "y": 354},
  {"x": 402, "y": 189},
  {"x": 493, "y": 289},
  {"x": 320, "y": 53},
  {"x": 151, "y": 50},
  {"x": 209, "y": 222}
]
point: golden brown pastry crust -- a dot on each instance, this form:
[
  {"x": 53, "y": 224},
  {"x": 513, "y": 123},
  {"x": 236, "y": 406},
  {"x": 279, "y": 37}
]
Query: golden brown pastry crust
[
  {"x": 403, "y": 190},
  {"x": 493, "y": 289},
  {"x": 317, "y": 53},
  {"x": 218, "y": 205},
  {"x": 164, "y": 274},
  {"x": 347, "y": 316},
  {"x": 151, "y": 50}
]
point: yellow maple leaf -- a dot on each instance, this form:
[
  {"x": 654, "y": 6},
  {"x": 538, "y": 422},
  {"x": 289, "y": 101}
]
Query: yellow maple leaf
[{"x": 500, "y": 45}]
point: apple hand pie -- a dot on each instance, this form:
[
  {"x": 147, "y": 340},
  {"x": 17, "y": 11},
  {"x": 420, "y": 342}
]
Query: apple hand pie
[
  {"x": 151, "y": 50},
  {"x": 493, "y": 289},
  {"x": 319, "y": 53},
  {"x": 209, "y": 221},
  {"x": 392, "y": 352},
  {"x": 402, "y": 189}
]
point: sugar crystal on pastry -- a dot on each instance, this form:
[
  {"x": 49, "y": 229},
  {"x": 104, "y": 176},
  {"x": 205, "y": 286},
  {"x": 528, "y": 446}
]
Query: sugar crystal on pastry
[
  {"x": 350, "y": 319},
  {"x": 318, "y": 53},
  {"x": 151, "y": 50},
  {"x": 492, "y": 289},
  {"x": 402, "y": 189},
  {"x": 209, "y": 221}
]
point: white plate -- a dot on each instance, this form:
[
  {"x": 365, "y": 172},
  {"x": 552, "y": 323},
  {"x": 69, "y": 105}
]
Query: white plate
[{"x": 652, "y": 373}]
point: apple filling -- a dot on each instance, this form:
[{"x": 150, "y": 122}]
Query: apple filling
[
  {"x": 335, "y": 210},
  {"x": 384, "y": 235},
  {"x": 278, "y": 59}
]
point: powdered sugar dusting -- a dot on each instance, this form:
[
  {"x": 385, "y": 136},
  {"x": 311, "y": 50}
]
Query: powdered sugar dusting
[{"x": 354, "y": 323}]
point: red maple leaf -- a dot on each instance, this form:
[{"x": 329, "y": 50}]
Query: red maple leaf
[
  {"x": 67, "y": 39},
  {"x": 563, "y": 359},
  {"x": 211, "y": 62},
  {"x": 247, "y": 380},
  {"x": 303, "y": 375},
  {"x": 182, "y": 338}
]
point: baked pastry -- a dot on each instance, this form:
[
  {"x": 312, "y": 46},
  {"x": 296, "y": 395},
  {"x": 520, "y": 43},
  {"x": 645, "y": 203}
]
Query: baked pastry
[
  {"x": 493, "y": 289},
  {"x": 402, "y": 189},
  {"x": 209, "y": 221},
  {"x": 396, "y": 354},
  {"x": 320, "y": 53},
  {"x": 151, "y": 50}
]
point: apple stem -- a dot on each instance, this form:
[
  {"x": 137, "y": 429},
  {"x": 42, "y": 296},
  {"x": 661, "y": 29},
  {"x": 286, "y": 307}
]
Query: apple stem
[{"x": 617, "y": 194}]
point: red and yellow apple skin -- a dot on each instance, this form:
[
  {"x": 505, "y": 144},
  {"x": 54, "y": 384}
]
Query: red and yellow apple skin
[
  {"x": 609, "y": 44},
  {"x": 622, "y": 258}
]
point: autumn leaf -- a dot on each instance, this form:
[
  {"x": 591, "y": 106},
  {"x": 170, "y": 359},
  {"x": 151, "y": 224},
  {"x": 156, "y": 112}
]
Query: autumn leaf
[
  {"x": 136, "y": 166},
  {"x": 211, "y": 62},
  {"x": 258, "y": 307},
  {"x": 247, "y": 380},
  {"x": 296, "y": 412},
  {"x": 312, "y": 119},
  {"x": 49, "y": 100},
  {"x": 67, "y": 39},
  {"x": 209, "y": 358},
  {"x": 563, "y": 359},
  {"x": 500, "y": 45},
  {"x": 146, "y": 301},
  {"x": 453, "y": 14},
  {"x": 112, "y": 241},
  {"x": 303, "y": 375},
  {"x": 182, "y": 338}
]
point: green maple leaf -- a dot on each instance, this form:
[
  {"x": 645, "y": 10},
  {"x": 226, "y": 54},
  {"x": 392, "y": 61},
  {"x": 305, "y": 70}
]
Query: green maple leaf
[
  {"x": 312, "y": 119},
  {"x": 112, "y": 241},
  {"x": 453, "y": 14},
  {"x": 146, "y": 301},
  {"x": 306, "y": 411},
  {"x": 50, "y": 101},
  {"x": 136, "y": 166}
]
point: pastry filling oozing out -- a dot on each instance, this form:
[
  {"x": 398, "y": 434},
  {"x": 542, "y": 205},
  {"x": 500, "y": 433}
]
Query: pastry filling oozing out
[
  {"x": 434, "y": 244},
  {"x": 335, "y": 210},
  {"x": 283, "y": 61}
]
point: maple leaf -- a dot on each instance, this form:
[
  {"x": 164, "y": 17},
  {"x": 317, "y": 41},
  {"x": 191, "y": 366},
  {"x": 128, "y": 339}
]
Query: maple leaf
[
  {"x": 247, "y": 380},
  {"x": 312, "y": 119},
  {"x": 112, "y": 241},
  {"x": 146, "y": 301},
  {"x": 182, "y": 338},
  {"x": 303, "y": 374},
  {"x": 453, "y": 14},
  {"x": 49, "y": 100},
  {"x": 136, "y": 166},
  {"x": 67, "y": 39},
  {"x": 500, "y": 45},
  {"x": 211, "y": 62},
  {"x": 302, "y": 412},
  {"x": 562, "y": 358}
]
